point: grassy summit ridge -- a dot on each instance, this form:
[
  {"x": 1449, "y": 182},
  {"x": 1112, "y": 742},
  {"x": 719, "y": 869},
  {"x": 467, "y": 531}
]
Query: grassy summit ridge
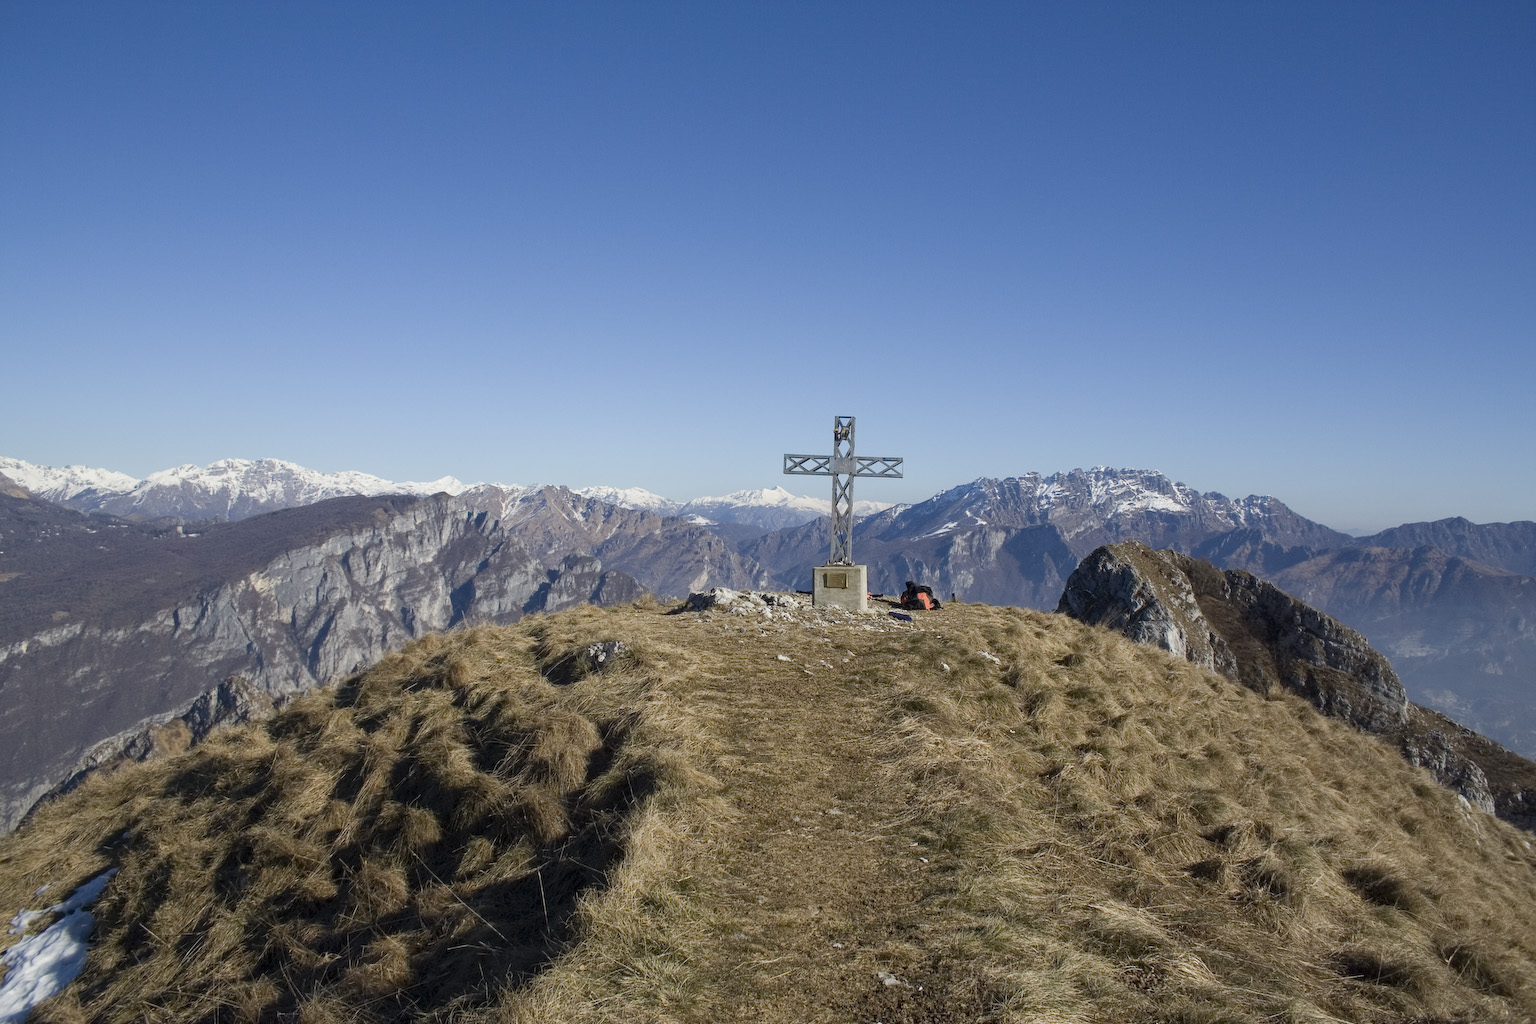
[{"x": 996, "y": 815}]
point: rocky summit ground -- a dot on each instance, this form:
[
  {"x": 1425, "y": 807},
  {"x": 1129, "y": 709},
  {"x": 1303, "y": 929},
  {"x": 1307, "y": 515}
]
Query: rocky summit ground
[{"x": 746, "y": 809}]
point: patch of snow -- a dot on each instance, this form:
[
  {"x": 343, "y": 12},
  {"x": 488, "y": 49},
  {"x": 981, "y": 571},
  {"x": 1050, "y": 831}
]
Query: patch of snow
[
  {"x": 42, "y": 965},
  {"x": 1147, "y": 501},
  {"x": 941, "y": 530}
]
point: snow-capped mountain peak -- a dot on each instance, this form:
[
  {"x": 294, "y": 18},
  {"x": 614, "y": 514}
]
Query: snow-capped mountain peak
[
  {"x": 62, "y": 484},
  {"x": 239, "y": 488},
  {"x": 632, "y": 497},
  {"x": 772, "y": 507},
  {"x": 762, "y": 496},
  {"x": 1101, "y": 504}
]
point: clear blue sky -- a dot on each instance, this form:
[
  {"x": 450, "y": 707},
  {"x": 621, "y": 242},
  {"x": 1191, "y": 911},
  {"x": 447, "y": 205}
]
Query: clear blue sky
[{"x": 1282, "y": 248}]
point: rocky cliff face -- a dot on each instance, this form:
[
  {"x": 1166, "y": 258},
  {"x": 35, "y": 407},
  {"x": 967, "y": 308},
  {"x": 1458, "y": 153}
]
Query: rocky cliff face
[
  {"x": 1239, "y": 625},
  {"x": 668, "y": 556},
  {"x": 312, "y": 612},
  {"x": 1258, "y": 635},
  {"x": 107, "y": 627}
]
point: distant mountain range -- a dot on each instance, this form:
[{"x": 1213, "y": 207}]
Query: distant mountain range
[
  {"x": 226, "y": 490},
  {"x": 120, "y": 615},
  {"x": 770, "y": 508},
  {"x": 234, "y": 489}
]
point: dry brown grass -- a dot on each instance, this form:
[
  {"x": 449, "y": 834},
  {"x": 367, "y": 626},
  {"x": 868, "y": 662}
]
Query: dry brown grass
[{"x": 1011, "y": 816}]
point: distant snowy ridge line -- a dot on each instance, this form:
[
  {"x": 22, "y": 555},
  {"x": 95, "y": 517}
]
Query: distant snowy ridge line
[
  {"x": 237, "y": 488},
  {"x": 245, "y": 476},
  {"x": 794, "y": 508},
  {"x": 59, "y": 485}
]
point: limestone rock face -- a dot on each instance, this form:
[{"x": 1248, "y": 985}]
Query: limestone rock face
[
  {"x": 1434, "y": 751},
  {"x": 1257, "y": 635},
  {"x": 1149, "y": 597},
  {"x": 110, "y": 630},
  {"x": 579, "y": 580},
  {"x": 115, "y": 681},
  {"x": 1236, "y": 624}
]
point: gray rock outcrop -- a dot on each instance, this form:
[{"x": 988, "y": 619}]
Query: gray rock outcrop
[
  {"x": 1239, "y": 625},
  {"x": 1257, "y": 635}
]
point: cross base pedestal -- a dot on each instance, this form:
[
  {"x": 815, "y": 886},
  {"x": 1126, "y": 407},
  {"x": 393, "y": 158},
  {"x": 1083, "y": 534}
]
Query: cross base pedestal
[{"x": 840, "y": 586}]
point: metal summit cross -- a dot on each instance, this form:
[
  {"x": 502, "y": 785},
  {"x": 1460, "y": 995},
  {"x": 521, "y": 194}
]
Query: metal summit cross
[{"x": 840, "y": 582}]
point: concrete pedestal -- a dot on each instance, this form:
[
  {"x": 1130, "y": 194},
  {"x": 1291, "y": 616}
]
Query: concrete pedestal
[{"x": 840, "y": 586}]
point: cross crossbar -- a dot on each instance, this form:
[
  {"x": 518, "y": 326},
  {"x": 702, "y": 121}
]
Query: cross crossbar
[
  {"x": 821, "y": 465},
  {"x": 842, "y": 466}
]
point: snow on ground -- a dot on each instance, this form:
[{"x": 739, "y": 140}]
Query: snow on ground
[
  {"x": 41, "y": 965},
  {"x": 941, "y": 530},
  {"x": 1148, "y": 501}
]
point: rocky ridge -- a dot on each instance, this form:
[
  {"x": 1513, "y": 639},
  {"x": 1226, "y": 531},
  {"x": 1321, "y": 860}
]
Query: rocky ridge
[
  {"x": 1254, "y": 633},
  {"x": 1509, "y": 546},
  {"x": 290, "y": 616},
  {"x": 234, "y": 489}
]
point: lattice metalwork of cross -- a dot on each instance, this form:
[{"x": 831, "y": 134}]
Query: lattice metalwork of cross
[{"x": 842, "y": 466}]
